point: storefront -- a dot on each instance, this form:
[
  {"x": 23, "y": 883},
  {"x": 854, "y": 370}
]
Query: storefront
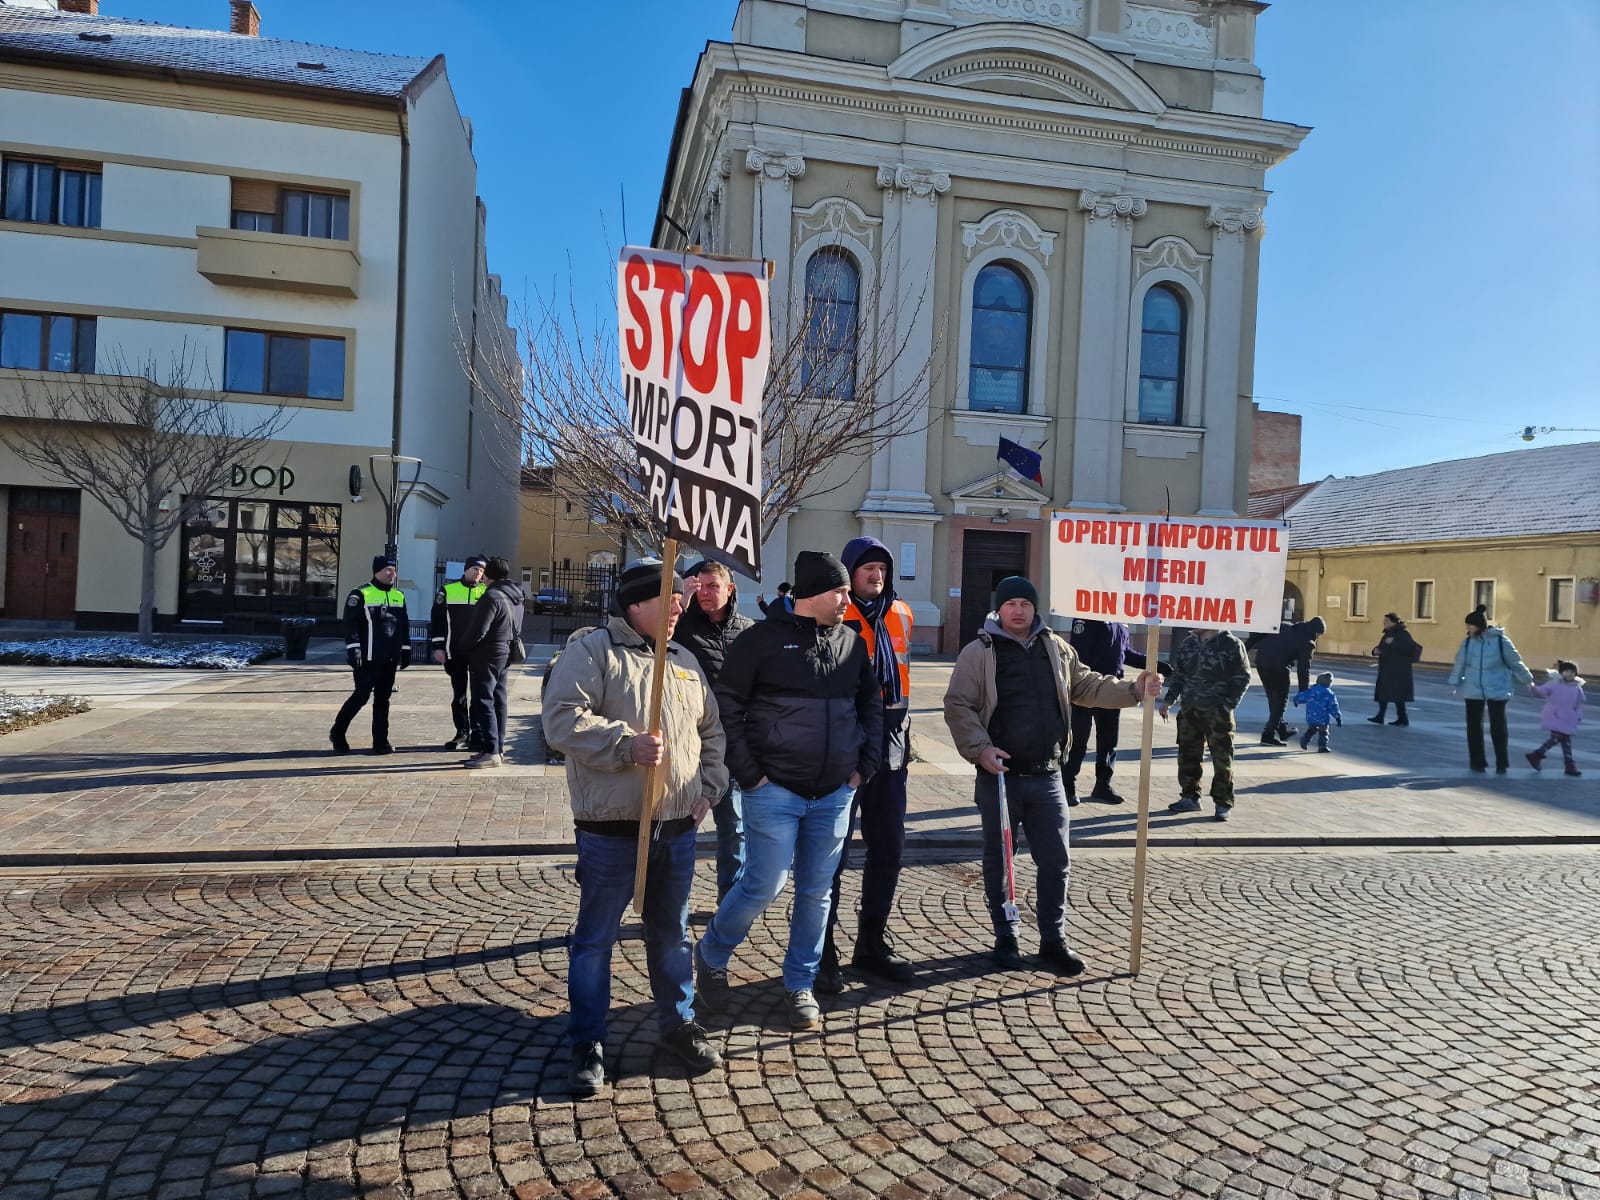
[{"x": 244, "y": 558}]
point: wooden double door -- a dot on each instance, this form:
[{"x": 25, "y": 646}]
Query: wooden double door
[
  {"x": 42, "y": 527},
  {"x": 987, "y": 558}
]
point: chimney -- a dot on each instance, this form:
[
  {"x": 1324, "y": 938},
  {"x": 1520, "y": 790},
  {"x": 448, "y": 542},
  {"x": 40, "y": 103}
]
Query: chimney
[
  {"x": 245, "y": 18},
  {"x": 88, "y": 8}
]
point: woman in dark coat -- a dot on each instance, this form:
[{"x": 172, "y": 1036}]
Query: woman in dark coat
[{"x": 1395, "y": 654}]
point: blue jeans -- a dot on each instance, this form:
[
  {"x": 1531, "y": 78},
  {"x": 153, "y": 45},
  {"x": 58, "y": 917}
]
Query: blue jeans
[
  {"x": 605, "y": 886},
  {"x": 1038, "y": 805},
  {"x": 728, "y": 816},
  {"x": 784, "y": 830}
]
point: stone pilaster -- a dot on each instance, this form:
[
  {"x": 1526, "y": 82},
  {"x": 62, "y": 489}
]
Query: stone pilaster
[
  {"x": 775, "y": 171},
  {"x": 1224, "y": 344}
]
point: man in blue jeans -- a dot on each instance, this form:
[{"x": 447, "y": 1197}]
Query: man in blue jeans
[
  {"x": 595, "y": 712},
  {"x": 803, "y": 717}
]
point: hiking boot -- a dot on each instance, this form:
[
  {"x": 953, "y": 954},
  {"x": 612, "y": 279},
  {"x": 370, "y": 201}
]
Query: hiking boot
[
  {"x": 1535, "y": 760},
  {"x": 588, "y": 1072},
  {"x": 1103, "y": 793},
  {"x": 1223, "y": 811},
  {"x": 689, "y": 1044},
  {"x": 804, "y": 1013},
  {"x": 1006, "y": 955},
  {"x": 1184, "y": 804},
  {"x": 710, "y": 984},
  {"x": 830, "y": 980},
  {"x": 875, "y": 955},
  {"x": 1572, "y": 770},
  {"x": 337, "y": 741},
  {"x": 382, "y": 748},
  {"x": 1059, "y": 959}
]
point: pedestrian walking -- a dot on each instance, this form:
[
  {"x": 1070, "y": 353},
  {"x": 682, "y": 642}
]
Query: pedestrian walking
[
  {"x": 804, "y": 720},
  {"x": 1101, "y": 646},
  {"x": 1395, "y": 652},
  {"x": 710, "y": 621},
  {"x": 495, "y": 626},
  {"x": 596, "y": 712},
  {"x": 1562, "y": 714},
  {"x": 1009, "y": 710},
  {"x": 1486, "y": 670},
  {"x": 1210, "y": 675},
  {"x": 1275, "y": 654},
  {"x": 377, "y": 642},
  {"x": 884, "y": 622},
  {"x": 447, "y": 625},
  {"x": 1321, "y": 707}
]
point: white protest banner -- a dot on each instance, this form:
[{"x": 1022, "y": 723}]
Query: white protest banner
[
  {"x": 695, "y": 343},
  {"x": 1200, "y": 572}
]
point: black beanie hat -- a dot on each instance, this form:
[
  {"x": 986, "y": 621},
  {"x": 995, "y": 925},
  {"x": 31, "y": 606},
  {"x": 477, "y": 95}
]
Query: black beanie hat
[
  {"x": 640, "y": 580},
  {"x": 475, "y": 560},
  {"x": 380, "y": 561},
  {"x": 1015, "y": 587},
  {"x": 1476, "y": 617},
  {"x": 817, "y": 571}
]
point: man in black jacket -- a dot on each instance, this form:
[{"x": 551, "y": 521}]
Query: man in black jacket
[
  {"x": 1275, "y": 652},
  {"x": 496, "y": 623},
  {"x": 803, "y": 717},
  {"x": 1101, "y": 646},
  {"x": 377, "y": 637},
  {"x": 707, "y": 628},
  {"x": 452, "y": 609}
]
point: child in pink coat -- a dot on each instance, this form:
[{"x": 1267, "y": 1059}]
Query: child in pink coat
[{"x": 1563, "y": 712}]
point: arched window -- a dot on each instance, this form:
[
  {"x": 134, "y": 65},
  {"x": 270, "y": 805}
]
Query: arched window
[
  {"x": 833, "y": 298},
  {"x": 1002, "y": 321},
  {"x": 1161, "y": 357}
]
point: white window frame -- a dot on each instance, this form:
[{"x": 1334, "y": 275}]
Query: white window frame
[
  {"x": 1031, "y": 265},
  {"x": 1549, "y": 601},
  {"x": 1172, "y": 261},
  {"x": 840, "y": 224},
  {"x": 1494, "y": 597},
  {"x": 1433, "y": 600},
  {"x": 1358, "y": 612}
]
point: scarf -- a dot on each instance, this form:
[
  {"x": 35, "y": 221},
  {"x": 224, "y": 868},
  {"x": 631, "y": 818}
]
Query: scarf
[{"x": 884, "y": 664}]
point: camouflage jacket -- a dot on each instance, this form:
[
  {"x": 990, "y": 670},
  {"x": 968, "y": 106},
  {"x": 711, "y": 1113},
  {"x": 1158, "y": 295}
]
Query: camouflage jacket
[{"x": 1209, "y": 674}]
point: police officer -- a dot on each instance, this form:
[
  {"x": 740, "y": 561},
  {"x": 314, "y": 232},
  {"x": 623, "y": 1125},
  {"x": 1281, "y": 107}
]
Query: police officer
[
  {"x": 377, "y": 635},
  {"x": 452, "y": 608}
]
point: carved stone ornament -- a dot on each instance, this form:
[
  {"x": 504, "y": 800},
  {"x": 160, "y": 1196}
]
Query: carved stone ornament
[
  {"x": 1233, "y": 220},
  {"x": 1006, "y": 227},
  {"x": 922, "y": 184},
  {"x": 1105, "y": 206},
  {"x": 835, "y": 216},
  {"x": 774, "y": 164},
  {"x": 1173, "y": 254},
  {"x": 1181, "y": 31},
  {"x": 1047, "y": 12}
]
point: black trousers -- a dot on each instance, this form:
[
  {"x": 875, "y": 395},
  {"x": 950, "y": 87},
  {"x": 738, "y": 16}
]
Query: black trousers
[
  {"x": 1497, "y": 733},
  {"x": 880, "y": 804},
  {"x": 1275, "y": 682},
  {"x": 456, "y": 669},
  {"x": 1107, "y": 725},
  {"x": 489, "y": 684},
  {"x": 374, "y": 681}
]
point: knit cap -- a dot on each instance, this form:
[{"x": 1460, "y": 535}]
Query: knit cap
[
  {"x": 1015, "y": 587},
  {"x": 817, "y": 571}
]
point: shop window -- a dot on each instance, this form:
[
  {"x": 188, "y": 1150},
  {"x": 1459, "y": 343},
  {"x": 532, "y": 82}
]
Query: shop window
[
  {"x": 1358, "y": 598},
  {"x": 31, "y": 341},
  {"x": 1002, "y": 328},
  {"x": 283, "y": 364},
  {"x": 1559, "y": 609},
  {"x": 1161, "y": 338},
  {"x": 1422, "y": 606},
  {"x": 833, "y": 298},
  {"x": 263, "y": 557},
  {"x": 52, "y": 193}
]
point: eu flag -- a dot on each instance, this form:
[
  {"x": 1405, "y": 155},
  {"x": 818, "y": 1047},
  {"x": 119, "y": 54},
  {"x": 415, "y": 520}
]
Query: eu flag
[{"x": 1023, "y": 461}]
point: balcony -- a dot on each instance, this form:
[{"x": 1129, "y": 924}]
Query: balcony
[{"x": 244, "y": 258}]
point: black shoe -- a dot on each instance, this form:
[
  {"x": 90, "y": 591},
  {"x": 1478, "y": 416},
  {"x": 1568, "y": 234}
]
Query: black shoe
[
  {"x": 1072, "y": 800},
  {"x": 829, "y": 980},
  {"x": 1479, "y": 770},
  {"x": 1105, "y": 795},
  {"x": 1269, "y": 739},
  {"x": 875, "y": 955},
  {"x": 1378, "y": 720},
  {"x": 710, "y": 984},
  {"x": 1400, "y": 721},
  {"x": 1006, "y": 955},
  {"x": 1059, "y": 959},
  {"x": 588, "y": 1072},
  {"x": 1501, "y": 769},
  {"x": 336, "y": 740},
  {"x": 382, "y": 748},
  {"x": 689, "y": 1044},
  {"x": 459, "y": 742}
]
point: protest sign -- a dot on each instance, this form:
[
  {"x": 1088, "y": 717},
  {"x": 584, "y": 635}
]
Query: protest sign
[
  {"x": 695, "y": 342},
  {"x": 1200, "y": 572}
]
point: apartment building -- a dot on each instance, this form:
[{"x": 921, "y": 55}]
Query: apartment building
[{"x": 301, "y": 224}]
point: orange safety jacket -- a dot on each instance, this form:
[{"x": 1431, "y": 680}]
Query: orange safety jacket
[{"x": 898, "y": 621}]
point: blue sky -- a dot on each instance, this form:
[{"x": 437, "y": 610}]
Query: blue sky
[{"x": 1432, "y": 259}]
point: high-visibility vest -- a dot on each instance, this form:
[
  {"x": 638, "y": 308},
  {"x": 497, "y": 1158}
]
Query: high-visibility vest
[
  {"x": 898, "y": 622},
  {"x": 376, "y": 622}
]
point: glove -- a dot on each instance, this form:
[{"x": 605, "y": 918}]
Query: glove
[
  {"x": 405, "y": 655},
  {"x": 352, "y": 655}
]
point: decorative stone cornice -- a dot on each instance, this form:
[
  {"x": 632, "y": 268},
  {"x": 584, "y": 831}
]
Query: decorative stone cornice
[
  {"x": 1007, "y": 227},
  {"x": 774, "y": 164},
  {"x": 1233, "y": 221},
  {"x": 922, "y": 184},
  {"x": 1103, "y": 206},
  {"x": 1067, "y": 13},
  {"x": 1170, "y": 253},
  {"x": 834, "y": 216},
  {"x": 1178, "y": 30}
]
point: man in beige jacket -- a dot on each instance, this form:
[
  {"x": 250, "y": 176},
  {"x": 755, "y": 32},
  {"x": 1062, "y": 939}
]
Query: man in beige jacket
[
  {"x": 1009, "y": 709},
  {"x": 595, "y": 710}
]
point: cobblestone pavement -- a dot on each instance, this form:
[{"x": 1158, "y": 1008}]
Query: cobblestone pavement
[{"x": 1366, "y": 1024}]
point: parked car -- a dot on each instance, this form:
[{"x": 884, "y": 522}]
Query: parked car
[{"x": 552, "y": 600}]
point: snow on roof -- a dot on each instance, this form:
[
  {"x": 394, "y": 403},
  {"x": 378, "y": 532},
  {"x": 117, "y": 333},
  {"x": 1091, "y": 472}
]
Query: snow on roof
[{"x": 1523, "y": 493}]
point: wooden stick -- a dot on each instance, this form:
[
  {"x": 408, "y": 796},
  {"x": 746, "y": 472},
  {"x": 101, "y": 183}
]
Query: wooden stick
[
  {"x": 655, "y": 777},
  {"x": 1152, "y": 641}
]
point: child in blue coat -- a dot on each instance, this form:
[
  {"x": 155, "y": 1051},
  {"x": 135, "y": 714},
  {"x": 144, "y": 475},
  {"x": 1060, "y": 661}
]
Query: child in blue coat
[{"x": 1320, "y": 704}]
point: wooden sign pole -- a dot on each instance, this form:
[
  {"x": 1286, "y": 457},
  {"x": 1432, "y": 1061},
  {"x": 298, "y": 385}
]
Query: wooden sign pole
[
  {"x": 1152, "y": 639},
  {"x": 655, "y": 777}
]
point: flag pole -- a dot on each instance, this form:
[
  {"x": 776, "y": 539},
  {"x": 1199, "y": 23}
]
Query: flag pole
[
  {"x": 655, "y": 777},
  {"x": 1152, "y": 640}
]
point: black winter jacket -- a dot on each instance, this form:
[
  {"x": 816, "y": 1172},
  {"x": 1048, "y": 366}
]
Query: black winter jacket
[
  {"x": 800, "y": 705},
  {"x": 709, "y": 640},
  {"x": 1290, "y": 646},
  {"x": 496, "y": 619}
]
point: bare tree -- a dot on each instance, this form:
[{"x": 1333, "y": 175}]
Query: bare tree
[
  {"x": 840, "y": 386},
  {"x": 134, "y": 438}
]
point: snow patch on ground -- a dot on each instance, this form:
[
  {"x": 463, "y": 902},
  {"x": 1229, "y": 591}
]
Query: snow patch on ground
[
  {"x": 130, "y": 652},
  {"x": 18, "y": 712}
]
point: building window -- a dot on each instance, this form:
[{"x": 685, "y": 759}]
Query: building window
[
  {"x": 283, "y": 364},
  {"x": 47, "y": 342},
  {"x": 1358, "y": 598},
  {"x": 260, "y": 556},
  {"x": 833, "y": 298},
  {"x": 52, "y": 193},
  {"x": 1422, "y": 608},
  {"x": 1559, "y": 610},
  {"x": 266, "y": 207},
  {"x": 1161, "y": 340},
  {"x": 1002, "y": 328},
  {"x": 1483, "y": 593}
]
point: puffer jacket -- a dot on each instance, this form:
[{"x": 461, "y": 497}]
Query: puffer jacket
[
  {"x": 1488, "y": 667},
  {"x": 708, "y": 640},
  {"x": 595, "y": 704},
  {"x": 971, "y": 698},
  {"x": 1563, "y": 705},
  {"x": 1209, "y": 673},
  {"x": 800, "y": 705}
]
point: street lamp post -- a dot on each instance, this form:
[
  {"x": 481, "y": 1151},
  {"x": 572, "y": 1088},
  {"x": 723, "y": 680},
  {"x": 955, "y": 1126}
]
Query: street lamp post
[{"x": 394, "y": 499}]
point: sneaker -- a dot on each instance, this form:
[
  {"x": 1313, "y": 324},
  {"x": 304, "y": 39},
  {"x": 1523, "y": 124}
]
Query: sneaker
[
  {"x": 382, "y": 748},
  {"x": 1059, "y": 959},
  {"x": 1536, "y": 761},
  {"x": 710, "y": 984},
  {"x": 1184, "y": 804},
  {"x": 804, "y": 1013},
  {"x": 1006, "y": 955},
  {"x": 337, "y": 741},
  {"x": 1324, "y": 750},
  {"x": 830, "y": 979},
  {"x": 588, "y": 1072},
  {"x": 459, "y": 742},
  {"x": 1222, "y": 812},
  {"x": 1272, "y": 739},
  {"x": 688, "y": 1042},
  {"x": 1105, "y": 795},
  {"x": 484, "y": 760}
]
